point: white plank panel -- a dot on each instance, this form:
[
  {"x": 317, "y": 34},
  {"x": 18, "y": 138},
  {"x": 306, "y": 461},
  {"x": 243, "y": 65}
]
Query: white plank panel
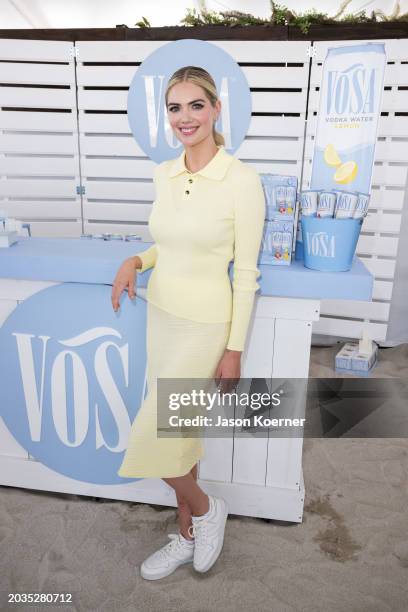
[
  {"x": 35, "y": 188},
  {"x": 42, "y": 209},
  {"x": 216, "y": 465},
  {"x": 116, "y": 50},
  {"x": 117, "y": 211},
  {"x": 288, "y": 361},
  {"x": 349, "y": 329},
  {"x": 288, "y": 102},
  {"x": 32, "y": 97},
  {"x": 284, "y": 458},
  {"x": 116, "y": 167},
  {"x": 35, "y": 50},
  {"x": 250, "y": 454},
  {"x": 110, "y": 145},
  {"x": 292, "y": 167},
  {"x": 38, "y": 121},
  {"x": 301, "y": 309},
  {"x": 55, "y": 229},
  {"x": 35, "y": 165},
  {"x": 103, "y": 122},
  {"x": 277, "y": 77},
  {"x": 277, "y": 149},
  {"x": 266, "y": 50},
  {"x": 118, "y": 190},
  {"x": 388, "y": 174},
  {"x": 378, "y": 222},
  {"x": 377, "y": 245},
  {"x": 66, "y": 144},
  {"x": 378, "y": 311},
  {"x": 259, "y": 126},
  {"x": 382, "y": 290},
  {"x": 49, "y": 74}
]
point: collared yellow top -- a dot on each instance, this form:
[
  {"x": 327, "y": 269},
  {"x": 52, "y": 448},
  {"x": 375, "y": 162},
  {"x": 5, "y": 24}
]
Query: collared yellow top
[{"x": 200, "y": 222}]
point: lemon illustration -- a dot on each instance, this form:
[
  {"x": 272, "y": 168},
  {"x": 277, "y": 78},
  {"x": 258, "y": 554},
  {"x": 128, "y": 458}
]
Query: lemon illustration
[
  {"x": 330, "y": 156},
  {"x": 346, "y": 173}
]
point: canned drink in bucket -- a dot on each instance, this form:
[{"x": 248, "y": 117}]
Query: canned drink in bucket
[
  {"x": 326, "y": 204},
  {"x": 361, "y": 208},
  {"x": 308, "y": 202},
  {"x": 345, "y": 205}
]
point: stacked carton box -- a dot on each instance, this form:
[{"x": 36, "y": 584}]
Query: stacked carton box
[{"x": 281, "y": 199}]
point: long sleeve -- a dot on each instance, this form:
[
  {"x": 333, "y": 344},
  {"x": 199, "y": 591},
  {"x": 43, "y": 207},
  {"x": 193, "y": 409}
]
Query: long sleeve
[
  {"x": 249, "y": 211},
  {"x": 149, "y": 256}
]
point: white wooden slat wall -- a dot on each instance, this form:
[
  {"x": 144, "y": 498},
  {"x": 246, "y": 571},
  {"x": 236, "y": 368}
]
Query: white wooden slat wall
[
  {"x": 118, "y": 176},
  {"x": 378, "y": 242},
  {"x": 45, "y": 155},
  {"x": 116, "y": 173},
  {"x": 39, "y": 162}
]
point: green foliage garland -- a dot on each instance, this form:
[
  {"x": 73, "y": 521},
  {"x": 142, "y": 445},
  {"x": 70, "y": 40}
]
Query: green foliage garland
[{"x": 281, "y": 15}]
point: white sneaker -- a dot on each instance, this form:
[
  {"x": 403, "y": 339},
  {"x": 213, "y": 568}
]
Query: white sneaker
[
  {"x": 167, "y": 559},
  {"x": 208, "y": 531}
]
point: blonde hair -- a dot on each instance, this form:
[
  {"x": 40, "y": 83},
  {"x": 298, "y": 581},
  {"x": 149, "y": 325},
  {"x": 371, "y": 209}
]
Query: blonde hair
[{"x": 200, "y": 77}]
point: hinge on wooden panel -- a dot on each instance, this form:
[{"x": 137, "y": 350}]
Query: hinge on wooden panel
[
  {"x": 74, "y": 52},
  {"x": 80, "y": 189},
  {"x": 311, "y": 51}
]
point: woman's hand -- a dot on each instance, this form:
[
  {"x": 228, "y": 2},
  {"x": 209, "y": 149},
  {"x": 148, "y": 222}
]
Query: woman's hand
[
  {"x": 228, "y": 371},
  {"x": 124, "y": 280}
]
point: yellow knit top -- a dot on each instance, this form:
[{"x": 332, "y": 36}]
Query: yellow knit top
[{"x": 200, "y": 222}]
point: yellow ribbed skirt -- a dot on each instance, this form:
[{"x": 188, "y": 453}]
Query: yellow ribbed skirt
[{"x": 175, "y": 348}]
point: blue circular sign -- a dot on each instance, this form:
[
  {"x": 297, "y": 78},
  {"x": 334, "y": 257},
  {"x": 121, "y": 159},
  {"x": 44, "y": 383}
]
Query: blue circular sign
[
  {"x": 72, "y": 378},
  {"x": 146, "y": 104}
]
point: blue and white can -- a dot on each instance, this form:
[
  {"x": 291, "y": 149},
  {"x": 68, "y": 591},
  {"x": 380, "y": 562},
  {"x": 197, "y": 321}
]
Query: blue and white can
[
  {"x": 345, "y": 205},
  {"x": 361, "y": 208},
  {"x": 308, "y": 202},
  {"x": 326, "y": 204}
]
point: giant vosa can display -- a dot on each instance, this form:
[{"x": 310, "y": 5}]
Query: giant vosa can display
[
  {"x": 347, "y": 121},
  {"x": 349, "y": 109}
]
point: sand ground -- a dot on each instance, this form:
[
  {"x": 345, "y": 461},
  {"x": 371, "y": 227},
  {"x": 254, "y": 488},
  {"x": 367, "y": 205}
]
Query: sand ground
[{"x": 350, "y": 553}]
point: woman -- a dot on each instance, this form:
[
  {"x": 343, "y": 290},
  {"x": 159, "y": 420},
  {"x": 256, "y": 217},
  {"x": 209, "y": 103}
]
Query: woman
[{"x": 209, "y": 209}]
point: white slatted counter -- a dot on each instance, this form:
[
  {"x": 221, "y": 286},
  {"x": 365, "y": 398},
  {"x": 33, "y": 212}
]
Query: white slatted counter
[{"x": 258, "y": 477}]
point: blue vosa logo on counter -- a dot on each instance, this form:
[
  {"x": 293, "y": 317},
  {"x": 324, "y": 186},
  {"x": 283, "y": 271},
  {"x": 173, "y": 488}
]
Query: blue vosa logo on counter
[{"x": 72, "y": 375}]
